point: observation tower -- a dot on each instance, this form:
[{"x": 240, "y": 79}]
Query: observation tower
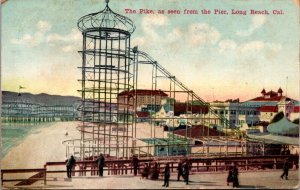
[{"x": 107, "y": 70}]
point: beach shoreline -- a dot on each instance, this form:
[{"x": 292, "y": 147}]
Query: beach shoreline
[
  {"x": 40, "y": 146},
  {"x": 45, "y": 144}
]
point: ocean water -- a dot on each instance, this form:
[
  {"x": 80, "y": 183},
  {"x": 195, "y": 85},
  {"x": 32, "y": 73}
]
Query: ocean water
[{"x": 13, "y": 134}]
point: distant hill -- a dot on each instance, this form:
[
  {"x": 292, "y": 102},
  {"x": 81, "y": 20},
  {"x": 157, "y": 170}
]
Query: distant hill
[{"x": 43, "y": 99}]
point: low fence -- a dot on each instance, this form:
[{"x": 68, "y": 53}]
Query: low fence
[
  {"x": 124, "y": 167},
  {"x": 40, "y": 174}
]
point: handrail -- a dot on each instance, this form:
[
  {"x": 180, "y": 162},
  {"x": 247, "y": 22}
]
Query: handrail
[
  {"x": 120, "y": 167},
  {"x": 31, "y": 170}
]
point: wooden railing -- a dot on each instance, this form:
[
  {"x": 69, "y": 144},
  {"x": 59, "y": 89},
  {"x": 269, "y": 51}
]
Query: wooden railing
[
  {"x": 197, "y": 165},
  {"x": 41, "y": 171}
]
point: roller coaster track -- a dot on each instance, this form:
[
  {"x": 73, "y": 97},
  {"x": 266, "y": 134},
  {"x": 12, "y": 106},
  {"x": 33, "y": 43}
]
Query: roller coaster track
[{"x": 150, "y": 60}]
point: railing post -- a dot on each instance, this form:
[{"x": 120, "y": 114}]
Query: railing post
[
  {"x": 45, "y": 174},
  {"x": 2, "y": 177}
]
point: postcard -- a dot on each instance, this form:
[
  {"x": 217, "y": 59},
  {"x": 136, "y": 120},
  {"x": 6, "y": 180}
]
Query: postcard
[{"x": 140, "y": 94}]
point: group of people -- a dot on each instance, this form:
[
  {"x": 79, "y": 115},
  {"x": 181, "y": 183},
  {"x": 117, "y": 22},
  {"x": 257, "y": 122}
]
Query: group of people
[
  {"x": 153, "y": 172},
  {"x": 70, "y": 163},
  {"x": 233, "y": 176},
  {"x": 184, "y": 171},
  {"x": 150, "y": 172}
]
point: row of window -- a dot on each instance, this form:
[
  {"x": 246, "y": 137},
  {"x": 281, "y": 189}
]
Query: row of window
[{"x": 234, "y": 112}]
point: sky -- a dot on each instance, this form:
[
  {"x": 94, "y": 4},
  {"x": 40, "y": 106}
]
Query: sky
[{"x": 219, "y": 57}]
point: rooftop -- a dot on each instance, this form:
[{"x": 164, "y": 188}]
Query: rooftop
[
  {"x": 197, "y": 131},
  {"x": 284, "y": 127},
  {"x": 105, "y": 19},
  {"x": 268, "y": 109},
  {"x": 271, "y": 96}
]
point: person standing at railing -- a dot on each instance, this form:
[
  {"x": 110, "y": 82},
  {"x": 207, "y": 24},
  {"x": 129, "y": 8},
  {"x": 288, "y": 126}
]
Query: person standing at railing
[
  {"x": 230, "y": 175},
  {"x": 166, "y": 175},
  {"x": 135, "y": 163},
  {"x": 154, "y": 173},
  {"x": 179, "y": 171},
  {"x": 235, "y": 179},
  {"x": 70, "y": 164},
  {"x": 146, "y": 170},
  {"x": 186, "y": 172},
  {"x": 100, "y": 161}
]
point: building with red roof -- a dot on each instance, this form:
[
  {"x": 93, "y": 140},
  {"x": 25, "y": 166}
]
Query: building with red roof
[
  {"x": 142, "y": 97},
  {"x": 197, "y": 131},
  {"x": 270, "y": 103},
  {"x": 270, "y": 96},
  {"x": 258, "y": 109}
]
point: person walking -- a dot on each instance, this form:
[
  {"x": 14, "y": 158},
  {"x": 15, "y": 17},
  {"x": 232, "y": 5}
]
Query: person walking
[
  {"x": 186, "y": 172},
  {"x": 230, "y": 175},
  {"x": 235, "y": 179},
  {"x": 100, "y": 162},
  {"x": 285, "y": 169},
  {"x": 70, "y": 164},
  {"x": 179, "y": 171},
  {"x": 135, "y": 163},
  {"x": 166, "y": 175}
]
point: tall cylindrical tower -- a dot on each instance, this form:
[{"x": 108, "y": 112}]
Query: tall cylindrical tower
[{"x": 107, "y": 70}]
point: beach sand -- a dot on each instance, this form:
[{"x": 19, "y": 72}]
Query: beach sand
[
  {"x": 45, "y": 145},
  {"x": 41, "y": 146}
]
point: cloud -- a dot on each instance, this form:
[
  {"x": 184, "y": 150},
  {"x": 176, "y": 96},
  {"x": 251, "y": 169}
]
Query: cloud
[
  {"x": 200, "y": 34},
  {"x": 73, "y": 36},
  {"x": 140, "y": 41},
  {"x": 43, "y": 26},
  {"x": 154, "y": 20},
  {"x": 227, "y": 46},
  {"x": 35, "y": 39},
  {"x": 256, "y": 47},
  {"x": 174, "y": 35},
  {"x": 197, "y": 35},
  {"x": 257, "y": 22},
  {"x": 69, "y": 48},
  {"x": 67, "y": 43},
  {"x": 150, "y": 25},
  {"x": 251, "y": 48}
]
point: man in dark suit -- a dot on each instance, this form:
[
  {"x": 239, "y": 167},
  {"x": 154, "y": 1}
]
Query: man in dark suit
[{"x": 100, "y": 162}]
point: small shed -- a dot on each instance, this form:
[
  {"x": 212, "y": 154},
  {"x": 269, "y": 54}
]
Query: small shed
[{"x": 168, "y": 146}]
